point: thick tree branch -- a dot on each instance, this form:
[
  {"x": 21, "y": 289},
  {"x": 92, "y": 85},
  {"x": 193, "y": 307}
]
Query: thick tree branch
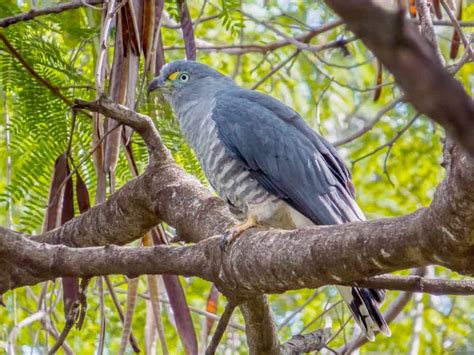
[
  {"x": 52, "y": 261},
  {"x": 440, "y": 234},
  {"x": 40, "y": 261},
  {"x": 398, "y": 45}
]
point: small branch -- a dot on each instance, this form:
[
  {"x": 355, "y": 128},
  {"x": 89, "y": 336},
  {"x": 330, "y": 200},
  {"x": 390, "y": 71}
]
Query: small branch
[
  {"x": 49, "y": 326},
  {"x": 62, "y": 337},
  {"x": 427, "y": 29},
  {"x": 322, "y": 314},
  {"x": 449, "y": 23},
  {"x": 101, "y": 57},
  {"x": 7, "y": 21},
  {"x": 297, "y": 42},
  {"x": 118, "y": 308},
  {"x": 419, "y": 284},
  {"x": 417, "y": 324},
  {"x": 221, "y": 328},
  {"x": 140, "y": 123},
  {"x": 187, "y": 30},
  {"x": 240, "y": 49},
  {"x": 391, "y": 142},
  {"x": 25, "y": 322},
  {"x": 54, "y": 89},
  {"x": 194, "y": 310},
  {"x": 275, "y": 69},
  {"x": 305, "y": 343},
  {"x": 458, "y": 29},
  {"x": 298, "y": 310},
  {"x": 398, "y": 44},
  {"x": 369, "y": 125}
]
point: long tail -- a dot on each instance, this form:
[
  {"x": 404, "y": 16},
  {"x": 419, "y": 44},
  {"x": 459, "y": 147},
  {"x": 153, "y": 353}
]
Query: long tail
[{"x": 364, "y": 305}]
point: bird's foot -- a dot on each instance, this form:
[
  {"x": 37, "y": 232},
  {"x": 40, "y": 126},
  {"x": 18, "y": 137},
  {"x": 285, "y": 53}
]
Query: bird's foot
[{"x": 232, "y": 233}]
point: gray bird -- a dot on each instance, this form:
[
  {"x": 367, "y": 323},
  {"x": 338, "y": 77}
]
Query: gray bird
[{"x": 265, "y": 161}]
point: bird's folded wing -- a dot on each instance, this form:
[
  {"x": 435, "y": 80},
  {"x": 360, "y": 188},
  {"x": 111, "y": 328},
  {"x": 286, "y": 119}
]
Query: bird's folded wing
[{"x": 286, "y": 156}]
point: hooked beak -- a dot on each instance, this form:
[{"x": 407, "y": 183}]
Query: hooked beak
[{"x": 157, "y": 83}]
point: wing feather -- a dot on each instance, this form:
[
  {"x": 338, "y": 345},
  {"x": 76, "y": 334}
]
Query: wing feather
[{"x": 286, "y": 156}]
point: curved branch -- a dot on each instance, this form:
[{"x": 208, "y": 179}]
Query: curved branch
[
  {"x": 396, "y": 42},
  {"x": 140, "y": 123}
]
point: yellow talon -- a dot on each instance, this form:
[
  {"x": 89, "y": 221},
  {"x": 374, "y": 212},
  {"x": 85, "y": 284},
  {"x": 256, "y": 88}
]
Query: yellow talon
[{"x": 235, "y": 231}]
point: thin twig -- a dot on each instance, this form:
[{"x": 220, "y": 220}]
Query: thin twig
[
  {"x": 320, "y": 315},
  {"x": 369, "y": 125},
  {"x": 118, "y": 307},
  {"x": 291, "y": 40},
  {"x": 347, "y": 86},
  {"x": 194, "y": 310},
  {"x": 62, "y": 337},
  {"x": 221, "y": 327},
  {"x": 201, "y": 12},
  {"x": 458, "y": 29},
  {"x": 7, "y": 21},
  {"x": 416, "y": 283},
  {"x": 25, "y": 322},
  {"x": 340, "y": 66},
  {"x": 298, "y": 310},
  {"x": 275, "y": 69},
  {"x": 259, "y": 48},
  {"x": 174, "y": 26},
  {"x": 100, "y": 347},
  {"x": 51, "y": 329},
  {"x": 318, "y": 103},
  {"x": 449, "y": 23},
  {"x": 417, "y": 324},
  {"x": 71, "y": 133},
  {"x": 340, "y": 330},
  {"x": 390, "y": 142},
  {"x": 54, "y": 89},
  {"x": 82, "y": 162}
]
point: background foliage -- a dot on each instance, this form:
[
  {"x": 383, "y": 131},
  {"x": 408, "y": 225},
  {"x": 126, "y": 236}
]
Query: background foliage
[{"x": 328, "y": 88}]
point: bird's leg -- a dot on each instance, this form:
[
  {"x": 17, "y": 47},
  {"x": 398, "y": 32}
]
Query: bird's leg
[{"x": 235, "y": 231}]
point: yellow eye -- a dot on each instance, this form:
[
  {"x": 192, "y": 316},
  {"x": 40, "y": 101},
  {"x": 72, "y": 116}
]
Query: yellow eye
[{"x": 173, "y": 76}]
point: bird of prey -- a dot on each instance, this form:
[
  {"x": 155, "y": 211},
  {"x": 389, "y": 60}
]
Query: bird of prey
[{"x": 265, "y": 161}]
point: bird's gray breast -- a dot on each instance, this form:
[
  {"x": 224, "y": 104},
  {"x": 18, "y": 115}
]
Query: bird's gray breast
[{"x": 225, "y": 173}]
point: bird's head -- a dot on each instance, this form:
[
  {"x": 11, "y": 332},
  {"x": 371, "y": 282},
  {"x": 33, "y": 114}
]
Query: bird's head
[{"x": 186, "y": 79}]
